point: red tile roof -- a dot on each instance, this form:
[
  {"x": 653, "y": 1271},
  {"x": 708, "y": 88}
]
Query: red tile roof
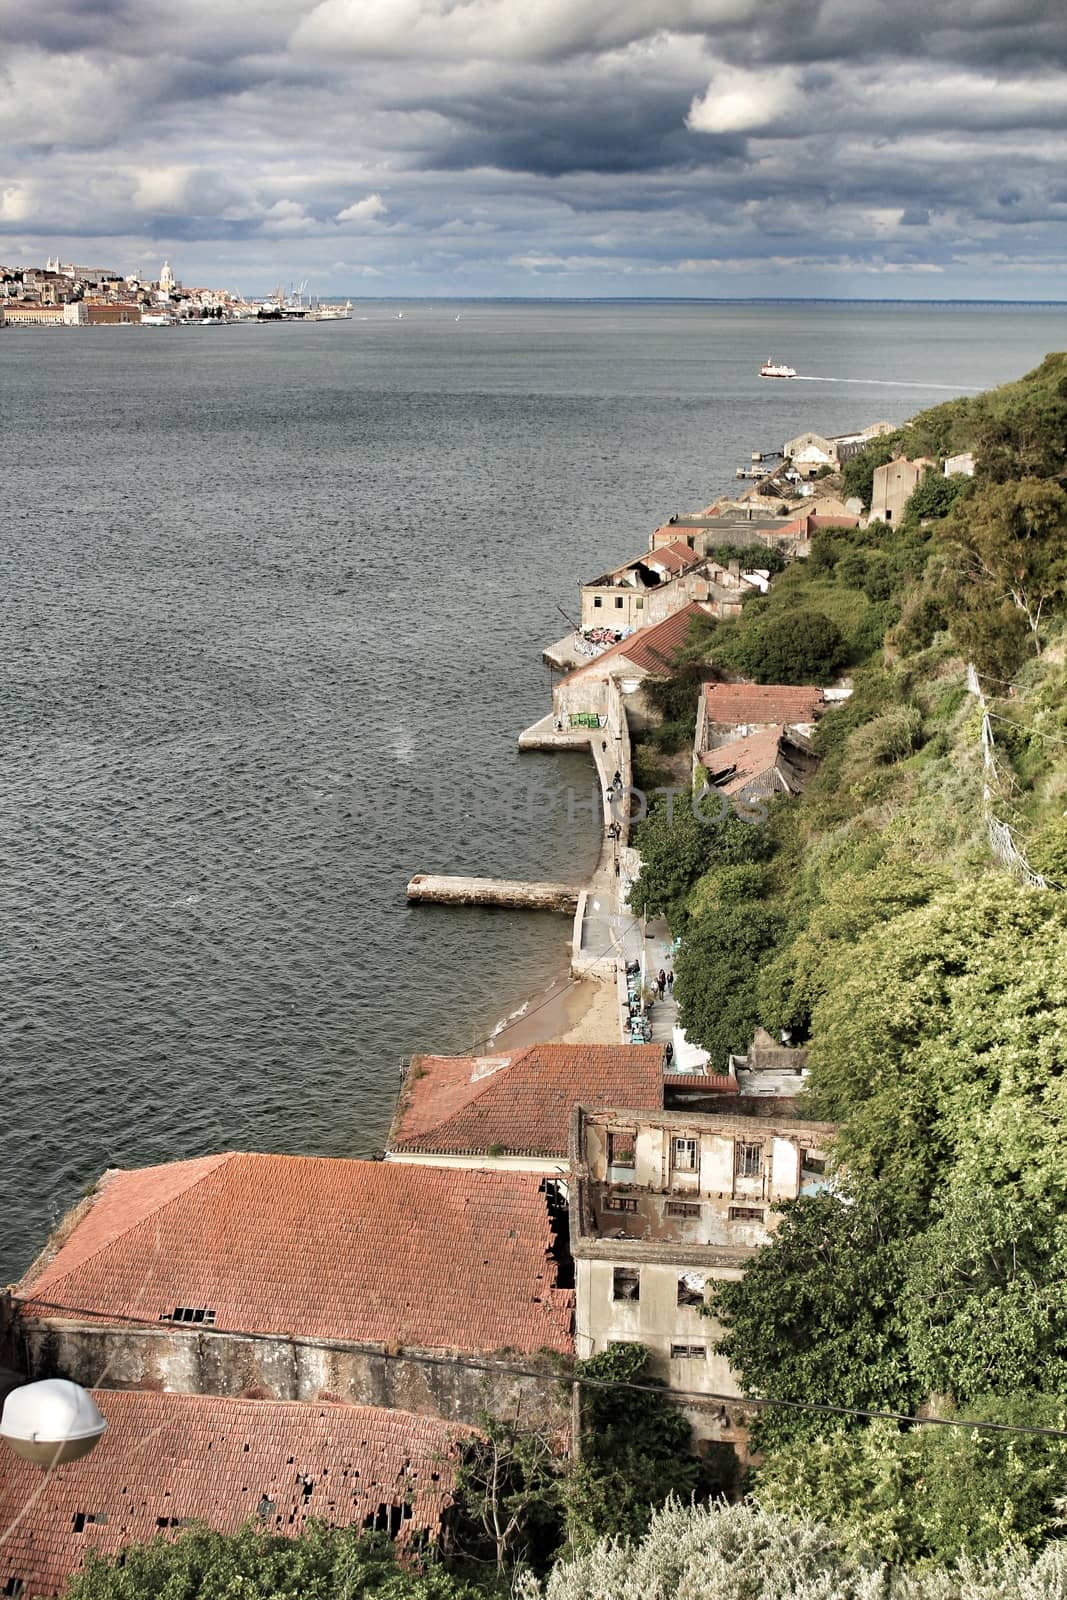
[
  {"x": 737, "y": 704},
  {"x": 703, "y": 1082},
  {"x": 520, "y": 1104},
  {"x": 170, "y": 1457},
  {"x": 672, "y": 558},
  {"x": 745, "y": 759},
  {"x": 305, "y": 1246}
]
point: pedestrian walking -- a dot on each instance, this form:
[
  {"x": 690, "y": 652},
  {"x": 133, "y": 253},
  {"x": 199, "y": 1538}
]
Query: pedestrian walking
[
  {"x": 662, "y": 981},
  {"x": 670, "y": 980}
]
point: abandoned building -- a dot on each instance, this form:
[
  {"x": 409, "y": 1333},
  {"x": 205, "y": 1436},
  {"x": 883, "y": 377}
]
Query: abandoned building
[
  {"x": 290, "y": 1277},
  {"x": 514, "y": 1111},
  {"x": 168, "y": 1461},
  {"x": 760, "y": 765},
  {"x": 664, "y": 1206},
  {"x": 648, "y": 653}
]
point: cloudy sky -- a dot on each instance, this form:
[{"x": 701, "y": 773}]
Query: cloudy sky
[{"x": 882, "y": 148}]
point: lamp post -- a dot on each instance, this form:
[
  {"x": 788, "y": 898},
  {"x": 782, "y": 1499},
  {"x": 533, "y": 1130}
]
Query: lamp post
[{"x": 51, "y": 1422}]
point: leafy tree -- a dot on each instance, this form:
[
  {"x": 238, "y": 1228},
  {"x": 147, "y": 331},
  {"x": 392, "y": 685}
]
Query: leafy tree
[
  {"x": 256, "y": 1565},
  {"x": 1012, "y": 538},
  {"x": 817, "y": 1315},
  {"x": 717, "y": 974},
  {"x": 926, "y": 1022},
  {"x": 796, "y": 646},
  {"x": 934, "y": 495},
  {"x": 677, "y": 849},
  {"x": 636, "y": 1449},
  {"x": 986, "y": 1295},
  {"x": 509, "y": 1491},
  {"x": 927, "y": 1493}
]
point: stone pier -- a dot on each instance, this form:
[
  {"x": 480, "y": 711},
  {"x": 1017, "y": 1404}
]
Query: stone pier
[{"x": 436, "y": 889}]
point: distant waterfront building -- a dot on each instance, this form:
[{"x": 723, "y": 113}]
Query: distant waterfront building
[
  {"x": 30, "y": 313},
  {"x": 167, "y": 281},
  {"x": 170, "y": 1460},
  {"x": 961, "y": 465}
]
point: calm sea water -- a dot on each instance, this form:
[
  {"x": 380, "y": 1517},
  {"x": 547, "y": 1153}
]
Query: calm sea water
[{"x": 273, "y": 603}]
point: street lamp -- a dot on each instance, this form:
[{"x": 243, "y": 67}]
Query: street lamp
[{"x": 51, "y": 1422}]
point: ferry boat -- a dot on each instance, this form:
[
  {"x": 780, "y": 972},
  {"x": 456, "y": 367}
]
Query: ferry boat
[{"x": 774, "y": 369}]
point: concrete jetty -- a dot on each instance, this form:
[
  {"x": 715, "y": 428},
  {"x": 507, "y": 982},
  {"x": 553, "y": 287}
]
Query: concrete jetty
[{"x": 436, "y": 889}]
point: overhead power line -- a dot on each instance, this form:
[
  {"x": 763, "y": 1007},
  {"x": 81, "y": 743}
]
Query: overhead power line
[{"x": 531, "y": 1374}]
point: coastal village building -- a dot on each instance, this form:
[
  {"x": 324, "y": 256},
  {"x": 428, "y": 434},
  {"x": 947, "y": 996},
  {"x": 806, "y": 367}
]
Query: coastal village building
[
  {"x": 662, "y": 1208},
  {"x": 809, "y": 452},
  {"x": 640, "y": 592},
  {"x": 771, "y": 1069},
  {"x": 515, "y": 1110},
  {"x": 650, "y": 652},
  {"x": 959, "y": 466},
  {"x": 730, "y": 711},
  {"x": 294, "y": 1277},
  {"x": 894, "y": 484},
  {"x": 760, "y": 765},
  {"x": 168, "y": 1461}
]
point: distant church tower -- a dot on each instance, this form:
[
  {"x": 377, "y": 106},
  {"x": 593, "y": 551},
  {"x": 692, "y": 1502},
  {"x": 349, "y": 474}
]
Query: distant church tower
[{"x": 166, "y": 279}]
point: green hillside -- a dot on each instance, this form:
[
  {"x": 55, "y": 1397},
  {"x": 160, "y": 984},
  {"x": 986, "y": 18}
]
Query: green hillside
[{"x": 886, "y": 919}]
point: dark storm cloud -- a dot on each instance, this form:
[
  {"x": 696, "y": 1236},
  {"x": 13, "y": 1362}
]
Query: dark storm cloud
[{"x": 474, "y": 142}]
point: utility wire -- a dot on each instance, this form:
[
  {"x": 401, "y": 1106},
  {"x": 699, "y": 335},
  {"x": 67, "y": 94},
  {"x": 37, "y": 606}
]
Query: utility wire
[{"x": 472, "y": 1364}]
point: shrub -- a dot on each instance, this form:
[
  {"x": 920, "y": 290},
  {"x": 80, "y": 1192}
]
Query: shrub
[
  {"x": 888, "y": 738},
  {"x": 792, "y": 647}
]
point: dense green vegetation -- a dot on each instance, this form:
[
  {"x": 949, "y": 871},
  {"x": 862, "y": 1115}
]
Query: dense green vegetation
[{"x": 873, "y": 924}]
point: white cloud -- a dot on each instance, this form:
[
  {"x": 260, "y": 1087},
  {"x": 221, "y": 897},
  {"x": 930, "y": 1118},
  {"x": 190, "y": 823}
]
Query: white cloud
[
  {"x": 364, "y": 210},
  {"x": 16, "y": 203},
  {"x": 738, "y": 100}
]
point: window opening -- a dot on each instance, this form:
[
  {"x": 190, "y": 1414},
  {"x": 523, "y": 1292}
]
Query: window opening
[
  {"x": 683, "y": 1208},
  {"x": 621, "y": 1152},
  {"x": 688, "y": 1352},
  {"x": 620, "y": 1202},
  {"x": 748, "y": 1160},
  {"x": 746, "y": 1213},
  {"x": 197, "y": 1314},
  {"x": 684, "y": 1155},
  {"x": 626, "y": 1283},
  {"x": 691, "y": 1288}
]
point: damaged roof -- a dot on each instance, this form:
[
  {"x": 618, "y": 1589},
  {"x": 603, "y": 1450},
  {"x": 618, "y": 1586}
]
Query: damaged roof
[
  {"x": 520, "y": 1103},
  {"x": 737, "y": 704},
  {"x": 367, "y": 1251},
  {"x": 170, "y": 1459}
]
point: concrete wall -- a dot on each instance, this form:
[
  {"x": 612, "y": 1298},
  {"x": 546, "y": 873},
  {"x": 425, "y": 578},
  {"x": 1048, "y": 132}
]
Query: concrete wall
[
  {"x": 657, "y": 1321},
  {"x": 431, "y": 1383},
  {"x": 893, "y": 485}
]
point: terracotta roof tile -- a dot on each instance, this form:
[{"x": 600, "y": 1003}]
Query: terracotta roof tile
[
  {"x": 170, "y": 1457},
  {"x": 704, "y": 1082},
  {"x": 738, "y": 704},
  {"x": 363, "y": 1250},
  {"x": 522, "y": 1103},
  {"x": 745, "y": 759}
]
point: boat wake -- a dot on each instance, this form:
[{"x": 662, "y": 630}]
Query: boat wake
[{"x": 890, "y": 383}]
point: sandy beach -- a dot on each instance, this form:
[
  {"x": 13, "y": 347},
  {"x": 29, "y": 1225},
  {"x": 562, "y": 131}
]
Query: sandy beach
[{"x": 571, "y": 1011}]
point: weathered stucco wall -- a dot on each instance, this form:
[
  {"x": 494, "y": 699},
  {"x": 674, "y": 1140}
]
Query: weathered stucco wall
[{"x": 431, "y": 1383}]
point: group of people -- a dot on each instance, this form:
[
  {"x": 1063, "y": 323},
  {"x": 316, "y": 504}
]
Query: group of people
[{"x": 664, "y": 983}]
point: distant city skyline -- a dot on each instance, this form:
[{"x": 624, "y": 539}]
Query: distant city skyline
[{"x": 565, "y": 148}]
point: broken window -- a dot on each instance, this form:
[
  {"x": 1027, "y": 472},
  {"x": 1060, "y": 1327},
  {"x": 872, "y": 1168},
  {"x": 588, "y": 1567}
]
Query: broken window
[
  {"x": 620, "y": 1202},
  {"x": 690, "y": 1288},
  {"x": 748, "y": 1160},
  {"x": 746, "y": 1213},
  {"x": 197, "y": 1314},
  {"x": 816, "y": 1164},
  {"x": 688, "y": 1352},
  {"x": 682, "y": 1208},
  {"x": 626, "y": 1283},
  {"x": 684, "y": 1155},
  {"x": 13, "y": 1587},
  {"x": 621, "y": 1151}
]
